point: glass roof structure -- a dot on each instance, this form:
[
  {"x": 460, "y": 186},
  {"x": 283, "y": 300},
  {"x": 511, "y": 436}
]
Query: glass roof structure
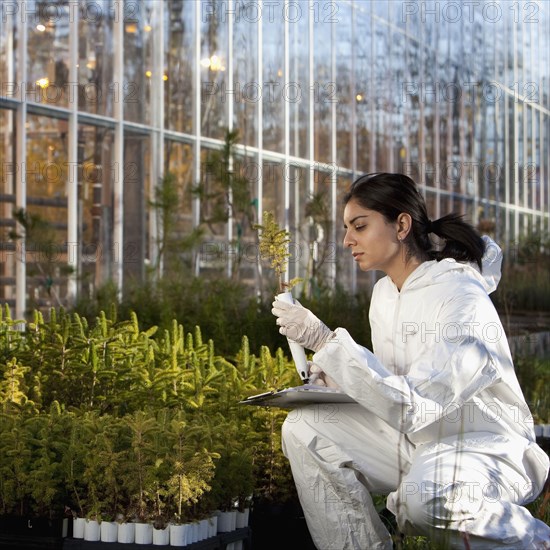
[{"x": 246, "y": 106}]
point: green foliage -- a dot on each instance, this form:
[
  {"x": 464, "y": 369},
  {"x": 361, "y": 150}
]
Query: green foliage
[
  {"x": 273, "y": 246},
  {"x": 540, "y": 507},
  {"x": 211, "y": 304},
  {"x": 133, "y": 423},
  {"x": 534, "y": 378},
  {"x": 46, "y": 434},
  {"x": 319, "y": 227},
  {"x": 15, "y": 463},
  {"x": 226, "y": 195},
  {"x": 417, "y": 543},
  {"x": 215, "y": 304},
  {"x": 116, "y": 420},
  {"x": 224, "y": 192},
  {"x": 189, "y": 469},
  {"x": 41, "y": 242},
  {"x": 525, "y": 285},
  {"x": 171, "y": 245},
  {"x": 12, "y": 390}
]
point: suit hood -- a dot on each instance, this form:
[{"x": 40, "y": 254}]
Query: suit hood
[{"x": 434, "y": 272}]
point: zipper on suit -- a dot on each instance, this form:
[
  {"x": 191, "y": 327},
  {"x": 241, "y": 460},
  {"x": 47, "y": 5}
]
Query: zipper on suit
[{"x": 394, "y": 339}]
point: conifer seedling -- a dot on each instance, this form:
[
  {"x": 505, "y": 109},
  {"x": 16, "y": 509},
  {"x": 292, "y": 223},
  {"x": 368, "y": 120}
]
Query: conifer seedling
[{"x": 274, "y": 248}]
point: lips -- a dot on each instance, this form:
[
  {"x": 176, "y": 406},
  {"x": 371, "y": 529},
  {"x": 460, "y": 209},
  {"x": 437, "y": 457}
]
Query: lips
[{"x": 357, "y": 255}]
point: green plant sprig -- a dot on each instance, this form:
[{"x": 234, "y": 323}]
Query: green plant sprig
[{"x": 273, "y": 246}]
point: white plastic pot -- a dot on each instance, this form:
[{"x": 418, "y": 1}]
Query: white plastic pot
[
  {"x": 126, "y": 533},
  {"x": 193, "y": 533},
  {"x": 78, "y": 528},
  {"x": 242, "y": 518},
  {"x": 92, "y": 531},
  {"x": 144, "y": 533},
  {"x": 203, "y": 529},
  {"x": 227, "y": 521},
  {"x": 109, "y": 531},
  {"x": 212, "y": 526},
  {"x": 178, "y": 534},
  {"x": 161, "y": 537}
]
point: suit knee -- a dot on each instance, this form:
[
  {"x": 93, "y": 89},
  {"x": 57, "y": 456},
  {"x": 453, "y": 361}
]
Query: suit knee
[
  {"x": 301, "y": 427},
  {"x": 427, "y": 506}
]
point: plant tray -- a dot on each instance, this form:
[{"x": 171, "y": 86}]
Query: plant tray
[
  {"x": 34, "y": 527},
  {"x": 26, "y": 542},
  {"x": 219, "y": 542}
]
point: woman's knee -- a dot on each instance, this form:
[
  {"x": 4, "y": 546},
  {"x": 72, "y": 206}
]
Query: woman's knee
[
  {"x": 427, "y": 507},
  {"x": 297, "y": 424},
  {"x": 302, "y": 426}
]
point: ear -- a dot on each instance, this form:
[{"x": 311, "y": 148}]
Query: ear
[{"x": 404, "y": 225}]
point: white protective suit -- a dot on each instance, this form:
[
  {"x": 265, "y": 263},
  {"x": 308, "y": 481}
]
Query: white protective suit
[{"x": 441, "y": 424}]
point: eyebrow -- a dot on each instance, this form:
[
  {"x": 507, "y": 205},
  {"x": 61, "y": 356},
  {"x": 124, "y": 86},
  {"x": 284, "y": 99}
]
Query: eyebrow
[{"x": 356, "y": 218}]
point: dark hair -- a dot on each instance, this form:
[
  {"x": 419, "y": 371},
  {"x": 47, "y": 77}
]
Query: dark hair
[{"x": 392, "y": 194}]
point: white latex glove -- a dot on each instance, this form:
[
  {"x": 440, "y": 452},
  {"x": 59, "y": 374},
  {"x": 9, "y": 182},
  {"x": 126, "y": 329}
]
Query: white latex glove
[
  {"x": 320, "y": 378},
  {"x": 300, "y": 325}
]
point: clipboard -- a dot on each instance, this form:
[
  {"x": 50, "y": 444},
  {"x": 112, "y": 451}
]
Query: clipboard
[{"x": 298, "y": 396}]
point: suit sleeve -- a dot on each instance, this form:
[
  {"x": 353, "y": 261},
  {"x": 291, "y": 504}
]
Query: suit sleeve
[{"x": 455, "y": 372}]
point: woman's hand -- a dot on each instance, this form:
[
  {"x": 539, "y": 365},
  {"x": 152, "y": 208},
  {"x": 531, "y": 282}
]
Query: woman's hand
[
  {"x": 300, "y": 325},
  {"x": 318, "y": 377}
]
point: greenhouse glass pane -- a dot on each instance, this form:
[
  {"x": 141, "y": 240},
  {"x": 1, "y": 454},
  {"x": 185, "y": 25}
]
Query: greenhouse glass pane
[
  {"x": 48, "y": 52},
  {"x": 140, "y": 32},
  {"x": 96, "y": 172},
  {"x": 179, "y": 21},
  {"x": 214, "y": 59},
  {"x": 95, "y": 57}
]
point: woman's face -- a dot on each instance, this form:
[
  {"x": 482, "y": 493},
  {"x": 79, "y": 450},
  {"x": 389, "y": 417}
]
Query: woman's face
[{"x": 371, "y": 239}]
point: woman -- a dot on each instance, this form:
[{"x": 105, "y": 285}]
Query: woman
[{"x": 441, "y": 424}]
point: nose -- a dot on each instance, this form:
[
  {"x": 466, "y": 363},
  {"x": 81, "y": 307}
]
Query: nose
[{"x": 348, "y": 241}]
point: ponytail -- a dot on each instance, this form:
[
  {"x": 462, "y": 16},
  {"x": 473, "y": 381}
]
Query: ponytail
[
  {"x": 462, "y": 241},
  {"x": 393, "y": 194}
]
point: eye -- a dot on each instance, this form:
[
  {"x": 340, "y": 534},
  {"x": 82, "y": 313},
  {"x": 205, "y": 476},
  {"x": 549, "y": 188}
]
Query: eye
[{"x": 359, "y": 227}]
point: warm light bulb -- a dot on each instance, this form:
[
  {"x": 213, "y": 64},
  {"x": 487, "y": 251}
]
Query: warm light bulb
[
  {"x": 148, "y": 74},
  {"x": 215, "y": 63},
  {"x": 43, "y": 82},
  {"x": 40, "y": 27}
]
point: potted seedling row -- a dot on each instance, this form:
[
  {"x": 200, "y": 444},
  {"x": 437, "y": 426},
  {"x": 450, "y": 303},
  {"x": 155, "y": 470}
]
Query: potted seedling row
[{"x": 117, "y": 426}]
